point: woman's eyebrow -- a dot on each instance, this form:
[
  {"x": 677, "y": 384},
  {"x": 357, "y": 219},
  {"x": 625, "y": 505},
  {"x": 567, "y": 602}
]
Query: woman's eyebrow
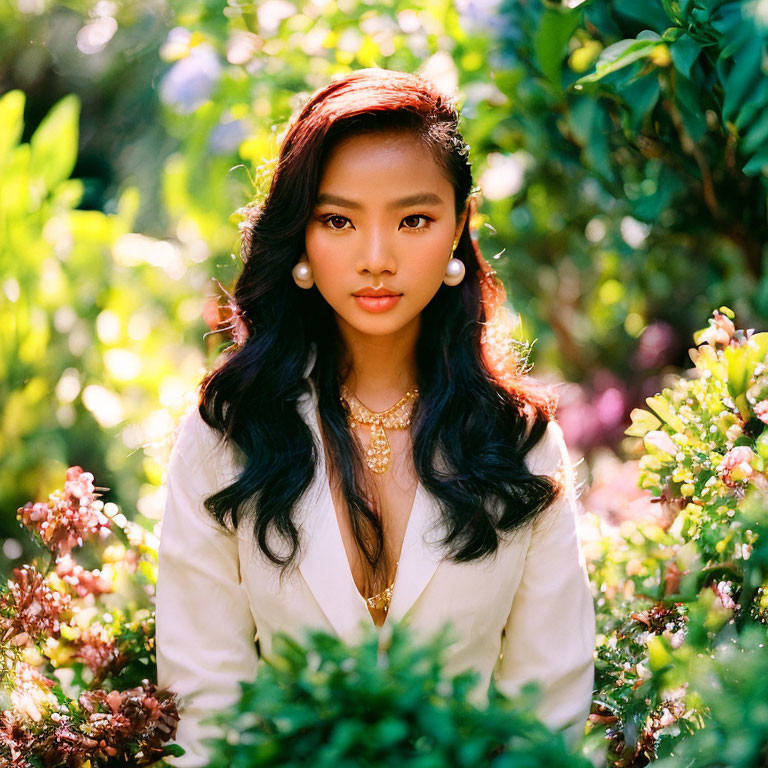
[{"x": 420, "y": 198}]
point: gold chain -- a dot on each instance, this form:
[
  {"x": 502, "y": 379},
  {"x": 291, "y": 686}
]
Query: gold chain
[
  {"x": 379, "y": 452},
  {"x": 396, "y": 417},
  {"x": 381, "y": 600}
]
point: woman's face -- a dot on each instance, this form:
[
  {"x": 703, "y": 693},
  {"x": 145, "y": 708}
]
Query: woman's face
[{"x": 384, "y": 217}]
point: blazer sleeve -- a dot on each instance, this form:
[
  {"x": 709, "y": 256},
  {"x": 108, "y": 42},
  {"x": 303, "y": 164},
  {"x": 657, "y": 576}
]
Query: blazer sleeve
[
  {"x": 205, "y": 634},
  {"x": 549, "y": 635}
]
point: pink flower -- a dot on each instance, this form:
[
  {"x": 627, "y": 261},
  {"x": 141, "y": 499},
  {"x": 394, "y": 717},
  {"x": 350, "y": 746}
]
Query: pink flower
[
  {"x": 30, "y": 609},
  {"x": 656, "y": 346},
  {"x": 238, "y": 327},
  {"x": 723, "y": 591},
  {"x": 720, "y": 332},
  {"x": 614, "y": 494},
  {"x": 79, "y": 484},
  {"x": 31, "y": 693},
  {"x": 736, "y": 465},
  {"x": 120, "y": 727},
  {"x": 761, "y": 411},
  {"x": 97, "y": 649},
  {"x": 661, "y": 441},
  {"x": 69, "y": 516},
  {"x": 84, "y": 582},
  {"x": 116, "y": 718}
]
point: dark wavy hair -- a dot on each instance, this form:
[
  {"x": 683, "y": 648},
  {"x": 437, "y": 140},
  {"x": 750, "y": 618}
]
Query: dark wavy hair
[{"x": 478, "y": 412}]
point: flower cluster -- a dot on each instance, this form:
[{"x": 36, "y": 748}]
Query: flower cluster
[
  {"x": 105, "y": 713},
  {"x": 705, "y": 437},
  {"x": 29, "y": 609},
  {"x": 125, "y": 728},
  {"x": 229, "y": 318},
  {"x": 672, "y": 587},
  {"x": 81, "y": 580},
  {"x": 97, "y": 648},
  {"x": 68, "y": 517}
]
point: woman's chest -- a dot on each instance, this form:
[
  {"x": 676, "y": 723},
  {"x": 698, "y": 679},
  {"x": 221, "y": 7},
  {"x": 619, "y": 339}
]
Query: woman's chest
[
  {"x": 391, "y": 494},
  {"x": 320, "y": 590}
]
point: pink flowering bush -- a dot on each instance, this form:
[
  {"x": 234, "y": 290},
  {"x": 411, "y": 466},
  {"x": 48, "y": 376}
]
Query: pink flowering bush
[
  {"x": 673, "y": 587},
  {"x": 705, "y": 438},
  {"x": 69, "y": 516},
  {"x": 76, "y": 672}
]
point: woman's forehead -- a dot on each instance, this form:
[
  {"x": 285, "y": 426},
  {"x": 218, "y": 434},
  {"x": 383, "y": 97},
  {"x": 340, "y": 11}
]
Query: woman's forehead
[{"x": 395, "y": 168}]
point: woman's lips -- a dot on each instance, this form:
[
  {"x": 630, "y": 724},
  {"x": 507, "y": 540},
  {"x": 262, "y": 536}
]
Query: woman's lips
[{"x": 377, "y": 303}]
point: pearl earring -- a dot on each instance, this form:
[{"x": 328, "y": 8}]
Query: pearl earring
[
  {"x": 302, "y": 274},
  {"x": 454, "y": 272}
]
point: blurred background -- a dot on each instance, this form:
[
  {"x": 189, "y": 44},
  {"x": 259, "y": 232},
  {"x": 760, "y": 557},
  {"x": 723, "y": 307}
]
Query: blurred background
[{"x": 622, "y": 197}]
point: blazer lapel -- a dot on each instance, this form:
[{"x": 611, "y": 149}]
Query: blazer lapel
[
  {"x": 324, "y": 564},
  {"x": 325, "y": 569},
  {"x": 419, "y": 556}
]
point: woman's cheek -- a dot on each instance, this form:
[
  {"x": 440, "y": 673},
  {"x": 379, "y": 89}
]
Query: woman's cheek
[{"x": 429, "y": 264}]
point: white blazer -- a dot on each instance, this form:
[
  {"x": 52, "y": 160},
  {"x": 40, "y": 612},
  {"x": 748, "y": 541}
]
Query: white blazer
[{"x": 526, "y": 614}]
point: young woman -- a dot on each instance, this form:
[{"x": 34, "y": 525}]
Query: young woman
[{"x": 372, "y": 451}]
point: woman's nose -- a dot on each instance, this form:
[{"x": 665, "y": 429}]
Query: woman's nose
[{"x": 377, "y": 254}]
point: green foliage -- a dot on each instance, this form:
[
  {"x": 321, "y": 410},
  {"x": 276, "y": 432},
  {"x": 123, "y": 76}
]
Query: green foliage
[
  {"x": 620, "y": 151},
  {"x": 732, "y": 686},
  {"x": 630, "y": 175},
  {"x": 95, "y": 319},
  {"x": 661, "y": 612},
  {"x": 383, "y": 702},
  {"x": 672, "y": 591},
  {"x": 707, "y": 437},
  {"x": 718, "y": 45}
]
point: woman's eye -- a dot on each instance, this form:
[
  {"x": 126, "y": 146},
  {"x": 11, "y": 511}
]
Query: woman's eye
[
  {"x": 334, "y": 220},
  {"x": 412, "y": 221}
]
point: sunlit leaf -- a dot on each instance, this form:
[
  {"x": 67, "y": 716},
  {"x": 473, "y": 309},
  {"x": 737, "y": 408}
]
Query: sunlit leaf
[
  {"x": 55, "y": 142},
  {"x": 642, "y": 422}
]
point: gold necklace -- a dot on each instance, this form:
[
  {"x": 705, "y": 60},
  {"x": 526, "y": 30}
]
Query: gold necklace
[
  {"x": 397, "y": 416},
  {"x": 381, "y": 600}
]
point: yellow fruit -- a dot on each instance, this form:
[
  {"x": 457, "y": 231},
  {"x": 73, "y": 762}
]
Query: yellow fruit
[
  {"x": 582, "y": 58},
  {"x": 661, "y": 56}
]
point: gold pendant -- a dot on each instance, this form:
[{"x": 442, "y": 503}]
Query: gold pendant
[{"x": 396, "y": 417}]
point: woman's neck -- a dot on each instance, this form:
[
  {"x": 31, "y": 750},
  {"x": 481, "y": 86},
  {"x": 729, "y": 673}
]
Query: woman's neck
[{"x": 381, "y": 369}]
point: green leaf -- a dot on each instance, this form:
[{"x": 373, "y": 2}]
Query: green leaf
[
  {"x": 737, "y": 360},
  {"x": 755, "y": 107},
  {"x": 743, "y": 77},
  {"x": 688, "y": 97},
  {"x": 757, "y": 347},
  {"x": 618, "y": 56},
  {"x": 645, "y": 13},
  {"x": 705, "y": 358},
  {"x": 508, "y": 81},
  {"x": 16, "y": 187},
  {"x": 589, "y": 124},
  {"x": 642, "y": 423},
  {"x": 658, "y": 655},
  {"x": 685, "y": 50},
  {"x": 550, "y": 41},
  {"x": 640, "y": 97},
  {"x": 758, "y": 164},
  {"x": 757, "y": 136},
  {"x": 761, "y": 445},
  {"x": 11, "y": 122},
  {"x": 54, "y": 143},
  {"x": 661, "y": 407}
]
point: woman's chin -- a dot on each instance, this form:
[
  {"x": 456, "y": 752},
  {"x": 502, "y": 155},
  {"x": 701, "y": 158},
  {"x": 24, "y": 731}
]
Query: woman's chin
[{"x": 379, "y": 324}]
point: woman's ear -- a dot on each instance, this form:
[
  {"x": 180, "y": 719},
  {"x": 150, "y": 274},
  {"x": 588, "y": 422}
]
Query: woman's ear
[{"x": 460, "y": 222}]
